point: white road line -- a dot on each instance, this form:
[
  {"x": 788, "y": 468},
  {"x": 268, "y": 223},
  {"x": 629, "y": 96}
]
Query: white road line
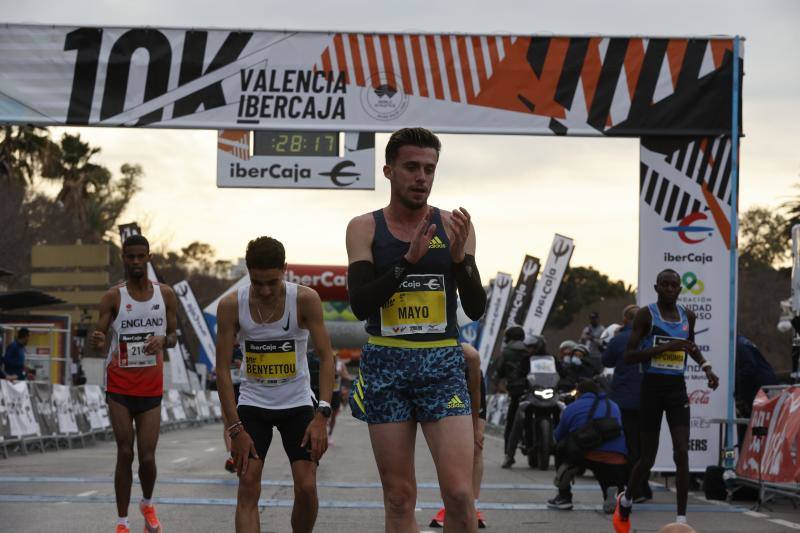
[
  {"x": 212, "y": 449},
  {"x": 180, "y": 459},
  {"x": 785, "y": 523},
  {"x": 754, "y": 514},
  {"x": 87, "y": 493}
]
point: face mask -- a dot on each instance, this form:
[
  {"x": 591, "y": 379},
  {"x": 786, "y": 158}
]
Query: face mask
[{"x": 576, "y": 360}]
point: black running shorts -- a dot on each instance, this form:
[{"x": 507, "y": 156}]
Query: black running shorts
[
  {"x": 663, "y": 394},
  {"x": 291, "y": 424},
  {"x": 135, "y": 404}
]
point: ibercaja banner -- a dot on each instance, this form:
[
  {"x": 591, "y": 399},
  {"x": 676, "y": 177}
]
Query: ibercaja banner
[
  {"x": 684, "y": 225},
  {"x": 234, "y": 79}
]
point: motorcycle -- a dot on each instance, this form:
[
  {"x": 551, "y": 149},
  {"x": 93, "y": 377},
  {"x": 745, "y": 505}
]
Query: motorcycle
[{"x": 541, "y": 409}]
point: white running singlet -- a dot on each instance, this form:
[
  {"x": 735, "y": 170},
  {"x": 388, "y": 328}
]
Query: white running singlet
[{"x": 275, "y": 369}]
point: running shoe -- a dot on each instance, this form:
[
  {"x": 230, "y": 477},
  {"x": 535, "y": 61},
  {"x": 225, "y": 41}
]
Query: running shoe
[
  {"x": 122, "y": 529},
  {"x": 562, "y": 503},
  {"x": 610, "y": 501},
  {"x": 230, "y": 466},
  {"x": 481, "y": 520},
  {"x": 508, "y": 462},
  {"x": 151, "y": 523},
  {"x": 438, "y": 520},
  {"x": 622, "y": 516}
]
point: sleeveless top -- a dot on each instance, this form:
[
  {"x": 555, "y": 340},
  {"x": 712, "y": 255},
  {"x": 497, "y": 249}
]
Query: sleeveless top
[
  {"x": 424, "y": 307},
  {"x": 274, "y": 370},
  {"x": 129, "y": 370},
  {"x": 672, "y": 363}
]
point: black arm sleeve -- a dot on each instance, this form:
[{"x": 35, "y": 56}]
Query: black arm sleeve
[
  {"x": 468, "y": 281},
  {"x": 368, "y": 293}
]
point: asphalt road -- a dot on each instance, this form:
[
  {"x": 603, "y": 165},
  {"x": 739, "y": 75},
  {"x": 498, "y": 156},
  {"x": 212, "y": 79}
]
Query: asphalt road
[{"x": 72, "y": 491}]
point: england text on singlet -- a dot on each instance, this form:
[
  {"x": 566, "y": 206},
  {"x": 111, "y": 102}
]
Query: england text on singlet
[
  {"x": 423, "y": 308},
  {"x": 129, "y": 370},
  {"x": 274, "y": 370},
  {"x": 670, "y": 363}
]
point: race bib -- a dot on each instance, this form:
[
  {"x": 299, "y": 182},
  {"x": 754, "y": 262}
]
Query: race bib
[
  {"x": 131, "y": 350},
  {"x": 270, "y": 362},
  {"x": 418, "y": 306},
  {"x": 671, "y": 360}
]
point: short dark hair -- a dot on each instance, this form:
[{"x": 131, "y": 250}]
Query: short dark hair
[
  {"x": 23, "y": 332},
  {"x": 667, "y": 271},
  {"x": 413, "y": 137},
  {"x": 587, "y": 385},
  {"x": 136, "y": 240},
  {"x": 265, "y": 253},
  {"x": 515, "y": 333}
]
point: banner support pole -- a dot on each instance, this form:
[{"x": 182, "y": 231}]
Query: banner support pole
[{"x": 729, "y": 446}]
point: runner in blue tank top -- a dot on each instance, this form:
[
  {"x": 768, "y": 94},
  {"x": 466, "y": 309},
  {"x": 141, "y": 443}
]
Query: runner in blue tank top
[
  {"x": 662, "y": 338},
  {"x": 406, "y": 263}
]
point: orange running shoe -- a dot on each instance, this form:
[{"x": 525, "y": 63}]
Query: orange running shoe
[
  {"x": 438, "y": 520},
  {"x": 622, "y": 516},
  {"x": 151, "y": 523},
  {"x": 481, "y": 520},
  {"x": 122, "y": 529}
]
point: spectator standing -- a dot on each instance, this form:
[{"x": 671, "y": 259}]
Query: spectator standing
[{"x": 625, "y": 390}]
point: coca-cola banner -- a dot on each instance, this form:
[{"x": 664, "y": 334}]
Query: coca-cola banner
[
  {"x": 684, "y": 225},
  {"x": 550, "y": 280},
  {"x": 492, "y": 319},
  {"x": 774, "y": 454},
  {"x": 229, "y": 79},
  {"x": 523, "y": 292}
]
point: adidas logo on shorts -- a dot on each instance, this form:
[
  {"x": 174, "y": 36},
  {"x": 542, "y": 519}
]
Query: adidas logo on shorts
[
  {"x": 455, "y": 403},
  {"x": 437, "y": 243}
]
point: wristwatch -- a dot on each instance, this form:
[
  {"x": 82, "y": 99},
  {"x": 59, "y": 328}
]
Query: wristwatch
[{"x": 324, "y": 408}]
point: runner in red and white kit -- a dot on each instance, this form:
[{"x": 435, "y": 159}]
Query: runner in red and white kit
[{"x": 142, "y": 318}]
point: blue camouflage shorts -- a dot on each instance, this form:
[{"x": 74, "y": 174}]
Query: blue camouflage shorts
[{"x": 399, "y": 384}]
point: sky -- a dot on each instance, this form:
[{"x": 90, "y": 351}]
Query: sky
[{"x": 520, "y": 190}]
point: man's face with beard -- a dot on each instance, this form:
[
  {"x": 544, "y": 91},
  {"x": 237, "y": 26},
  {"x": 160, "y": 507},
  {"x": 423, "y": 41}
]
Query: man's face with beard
[
  {"x": 135, "y": 258},
  {"x": 411, "y": 175}
]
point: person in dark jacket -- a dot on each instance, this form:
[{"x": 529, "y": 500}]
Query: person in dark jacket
[
  {"x": 753, "y": 371},
  {"x": 625, "y": 389},
  {"x": 608, "y": 461},
  {"x": 14, "y": 359},
  {"x": 513, "y": 353}
]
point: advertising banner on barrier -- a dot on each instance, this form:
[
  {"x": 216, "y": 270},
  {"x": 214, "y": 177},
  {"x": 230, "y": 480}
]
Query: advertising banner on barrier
[
  {"x": 42, "y": 399},
  {"x": 64, "y": 409},
  {"x": 773, "y": 454},
  {"x": 549, "y": 281},
  {"x": 96, "y": 409},
  {"x": 684, "y": 226},
  {"x": 224, "y": 79},
  {"x": 523, "y": 291},
  {"x": 208, "y": 352},
  {"x": 21, "y": 419},
  {"x": 493, "y": 318}
]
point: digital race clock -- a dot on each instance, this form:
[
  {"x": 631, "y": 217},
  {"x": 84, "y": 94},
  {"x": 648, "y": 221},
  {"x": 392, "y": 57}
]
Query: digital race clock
[{"x": 299, "y": 143}]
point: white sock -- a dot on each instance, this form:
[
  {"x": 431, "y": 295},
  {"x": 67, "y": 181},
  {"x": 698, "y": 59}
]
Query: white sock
[
  {"x": 146, "y": 501},
  {"x": 681, "y": 519},
  {"x": 625, "y": 501},
  {"x": 123, "y": 521},
  {"x": 476, "y": 503}
]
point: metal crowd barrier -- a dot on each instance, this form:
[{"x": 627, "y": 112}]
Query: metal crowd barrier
[{"x": 45, "y": 416}]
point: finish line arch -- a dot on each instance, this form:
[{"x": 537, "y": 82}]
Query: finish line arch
[{"x": 680, "y": 96}]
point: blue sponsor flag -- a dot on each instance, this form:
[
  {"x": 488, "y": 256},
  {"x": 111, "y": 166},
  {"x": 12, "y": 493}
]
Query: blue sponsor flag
[{"x": 470, "y": 333}]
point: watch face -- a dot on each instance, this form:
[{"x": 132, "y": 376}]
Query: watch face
[{"x": 326, "y": 411}]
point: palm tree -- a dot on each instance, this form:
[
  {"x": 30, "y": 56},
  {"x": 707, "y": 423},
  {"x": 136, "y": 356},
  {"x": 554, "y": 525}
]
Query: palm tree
[{"x": 24, "y": 151}]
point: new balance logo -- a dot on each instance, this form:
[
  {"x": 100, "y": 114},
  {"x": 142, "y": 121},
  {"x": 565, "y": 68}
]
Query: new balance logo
[
  {"x": 455, "y": 403},
  {"x": 156, "y": 306},
  {"x": 436, "y": 242}
]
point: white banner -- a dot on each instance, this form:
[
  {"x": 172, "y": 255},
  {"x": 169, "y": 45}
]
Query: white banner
[
  {"x": 65, "y": 410},
  {"x": 21, "y": 420},
  {"x": 177, "y": 368},
  {"x": 195, "y": 314},
  {"x": 221, "y": 79},
  {"x": 549, "y": 281},
  {"x": 494, "y": 316},
  {"x": 97, "y": 410},
  {"x": 683, "y": 221}
]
